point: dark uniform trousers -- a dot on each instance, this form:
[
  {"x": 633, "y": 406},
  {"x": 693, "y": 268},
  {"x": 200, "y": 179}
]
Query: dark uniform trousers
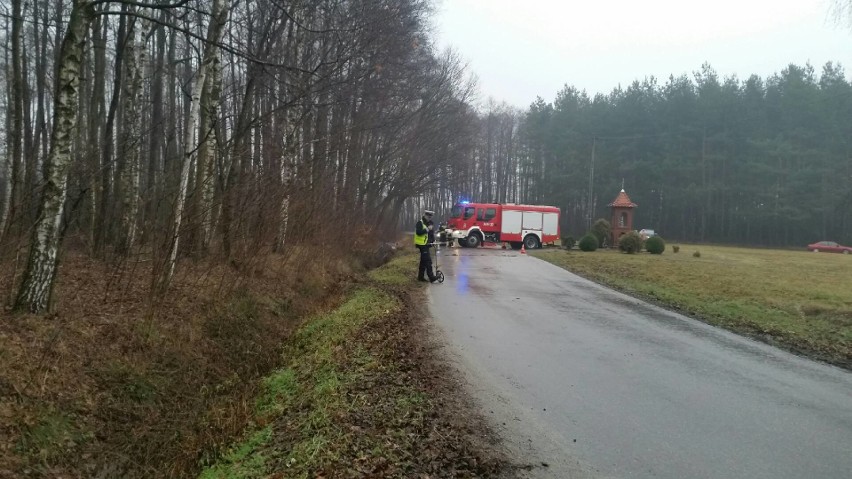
[{"x": 425, "y": 264}]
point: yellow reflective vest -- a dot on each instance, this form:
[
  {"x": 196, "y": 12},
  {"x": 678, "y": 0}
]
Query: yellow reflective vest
[{"x": 421, "y": 240}]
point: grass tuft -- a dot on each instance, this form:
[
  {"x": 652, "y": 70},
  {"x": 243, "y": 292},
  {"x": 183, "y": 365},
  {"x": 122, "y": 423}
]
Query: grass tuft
[
  {"x": 246, "y": 461},
  {"x": 279, "y": 390},
  {"x": 125, "y": 382},
  {"x": 53, "y": 435}
]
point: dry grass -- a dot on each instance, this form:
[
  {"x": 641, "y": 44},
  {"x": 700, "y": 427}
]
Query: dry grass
[
  {"x": 796, "y": 299},
  {"x": 361, "y": 395},
  {"x": 113, "y": 385}
]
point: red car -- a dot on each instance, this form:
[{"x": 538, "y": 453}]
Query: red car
[{"x": 829, "y": 247}]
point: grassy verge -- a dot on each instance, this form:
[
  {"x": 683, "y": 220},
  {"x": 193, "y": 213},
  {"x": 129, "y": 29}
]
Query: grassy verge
[
  {"x": 798, "y": 300},
  {"x": 118, "y": 384},
  {"x": 354, "y": 399},
  {"x": 399, "y": 272}
]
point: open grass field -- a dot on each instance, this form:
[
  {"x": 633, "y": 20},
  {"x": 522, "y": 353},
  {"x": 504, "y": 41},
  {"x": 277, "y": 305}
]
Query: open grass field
[{"x": 798, "y": 300}]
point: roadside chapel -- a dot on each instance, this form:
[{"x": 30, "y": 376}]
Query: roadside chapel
[{"x": 622, "y": 217}]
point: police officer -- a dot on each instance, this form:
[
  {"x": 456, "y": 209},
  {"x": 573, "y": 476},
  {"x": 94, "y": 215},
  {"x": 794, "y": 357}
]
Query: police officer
[{"x": 422, "y": 234}]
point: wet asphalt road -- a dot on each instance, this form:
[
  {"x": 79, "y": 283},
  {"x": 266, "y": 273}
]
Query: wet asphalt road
[{"x": 598, "y": 384}]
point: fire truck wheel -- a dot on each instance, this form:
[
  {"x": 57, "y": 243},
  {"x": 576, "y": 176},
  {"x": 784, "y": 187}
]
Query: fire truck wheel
[
  {"x": 531, "y": 242},
  {"x": 473, "y": 240}
]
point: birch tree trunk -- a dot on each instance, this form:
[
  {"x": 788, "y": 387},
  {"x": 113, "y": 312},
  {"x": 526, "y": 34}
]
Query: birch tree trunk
[
  {"x": 208, "y": 150},
  {"x": 285, "y": 154},
  {"x": 131, "y": 135},
  {"x": 39, "y": 277},
  {"x": 211, "y": 52},
  {"x": 155, "y": 149},
  {"x": 14, "y": 135}
]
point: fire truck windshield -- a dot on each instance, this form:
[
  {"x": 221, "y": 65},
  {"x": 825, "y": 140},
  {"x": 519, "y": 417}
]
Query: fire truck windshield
[{"x": 456, "y": 212}]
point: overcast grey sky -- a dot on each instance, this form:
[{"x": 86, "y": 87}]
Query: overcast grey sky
[{"x": 520, "y": 49}]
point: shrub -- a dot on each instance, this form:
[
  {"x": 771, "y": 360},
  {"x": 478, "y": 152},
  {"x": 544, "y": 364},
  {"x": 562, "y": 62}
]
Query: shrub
[
  {"x": 655, "y": 245},
  {"x": 630, "y": 242},
  {"x": 589, "y": 242},
  {"x": 675, "y": 248},
  {"x": 568, "y": 242},
  {"x": 697, "y": 254},
  {"x": 601, "y": 229}
]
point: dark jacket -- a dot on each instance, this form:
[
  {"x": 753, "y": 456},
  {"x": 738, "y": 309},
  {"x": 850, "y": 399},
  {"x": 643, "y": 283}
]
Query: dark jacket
[{"x": 420, "y": 227}]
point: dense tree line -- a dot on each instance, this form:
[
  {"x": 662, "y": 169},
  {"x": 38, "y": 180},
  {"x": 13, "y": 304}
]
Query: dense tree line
[
  {"x": 764, "y": 161},
  {"x": 158, "y": 130},
  {"x": 154, "y": 131}
]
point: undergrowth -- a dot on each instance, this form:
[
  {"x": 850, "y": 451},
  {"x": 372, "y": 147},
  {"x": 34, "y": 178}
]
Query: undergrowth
[
  {"x": 111, "y": 385},
  {"x": 307, "y": 395},
  {"x": 104, "y": 388},
  {"x": 351, "y": 399}
]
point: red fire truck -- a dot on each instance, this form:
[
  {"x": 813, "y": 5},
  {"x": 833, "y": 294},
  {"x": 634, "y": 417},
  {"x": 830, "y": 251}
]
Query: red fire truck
[{"x": 471, "y": 224}]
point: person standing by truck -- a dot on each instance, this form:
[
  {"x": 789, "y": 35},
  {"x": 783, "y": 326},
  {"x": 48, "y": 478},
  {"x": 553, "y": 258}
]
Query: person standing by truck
[{"x": 422, "y": 234}]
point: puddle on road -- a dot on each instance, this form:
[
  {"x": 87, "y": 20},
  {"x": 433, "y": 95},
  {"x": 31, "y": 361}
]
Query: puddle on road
[
  {"x": 464, "y": 286},
  {"x": 462, "y": 282}
]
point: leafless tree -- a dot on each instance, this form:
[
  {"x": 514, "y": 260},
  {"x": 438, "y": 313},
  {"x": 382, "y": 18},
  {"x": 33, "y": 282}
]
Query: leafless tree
[{"x": 222, "y": 128}]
